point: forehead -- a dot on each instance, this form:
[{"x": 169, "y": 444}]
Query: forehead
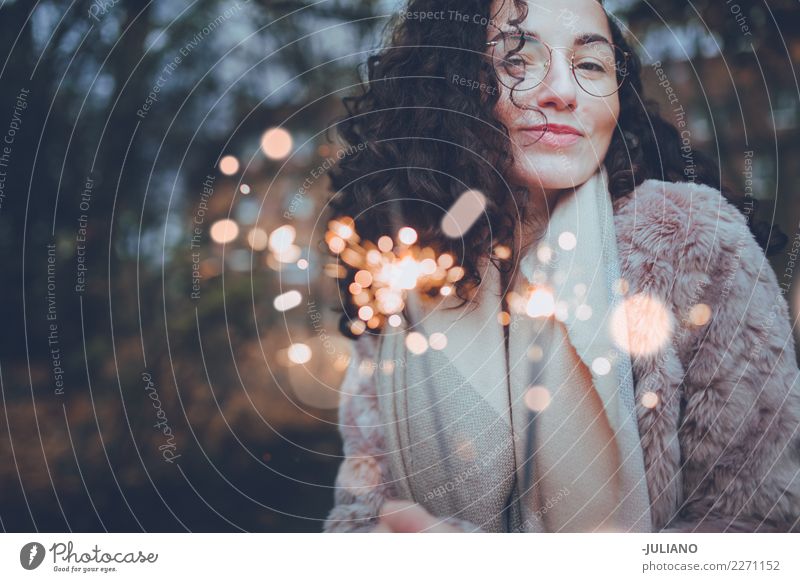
[{"x": 555, "y": 21}]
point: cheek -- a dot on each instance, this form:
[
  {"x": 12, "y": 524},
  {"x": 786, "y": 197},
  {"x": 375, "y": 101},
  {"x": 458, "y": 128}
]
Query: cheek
[
  {"x": 504, "y": 110},
  {"x": 606, "y": 116}
]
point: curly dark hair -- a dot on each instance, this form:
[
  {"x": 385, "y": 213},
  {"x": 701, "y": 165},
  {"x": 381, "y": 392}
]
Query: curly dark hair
[{"x": 425, "y": 140}]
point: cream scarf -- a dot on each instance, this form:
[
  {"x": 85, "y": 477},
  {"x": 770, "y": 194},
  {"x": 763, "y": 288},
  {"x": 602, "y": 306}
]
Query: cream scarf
[{"x": 538, "y": 435}]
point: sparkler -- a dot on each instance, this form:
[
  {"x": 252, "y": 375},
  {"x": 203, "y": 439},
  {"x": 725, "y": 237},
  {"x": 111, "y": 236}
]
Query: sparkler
[{"x": 386, "y": 271}]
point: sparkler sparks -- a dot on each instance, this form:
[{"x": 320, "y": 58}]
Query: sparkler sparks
[{"x": 387, "y": 271}]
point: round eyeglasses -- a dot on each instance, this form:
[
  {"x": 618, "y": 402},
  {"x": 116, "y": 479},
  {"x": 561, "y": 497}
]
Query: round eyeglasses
[{"x": 523, "y": 61}]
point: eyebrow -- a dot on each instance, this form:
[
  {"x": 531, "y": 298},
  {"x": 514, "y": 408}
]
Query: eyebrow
[{"x": 581, "y": 39}]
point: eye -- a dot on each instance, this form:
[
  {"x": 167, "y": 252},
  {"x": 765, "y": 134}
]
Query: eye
[
  {"x": 591, "y": 66},
  {"x": 515, "y": 61}
]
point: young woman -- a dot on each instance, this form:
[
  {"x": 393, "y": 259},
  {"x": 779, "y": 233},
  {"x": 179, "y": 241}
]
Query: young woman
[{"x": 614, "y": 352}]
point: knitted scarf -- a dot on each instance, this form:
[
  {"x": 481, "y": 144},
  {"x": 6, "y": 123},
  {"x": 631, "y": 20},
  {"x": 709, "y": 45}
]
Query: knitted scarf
[{"x": 527, "y": 425}]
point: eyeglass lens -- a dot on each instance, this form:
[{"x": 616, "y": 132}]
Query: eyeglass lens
[{"x": 598, "y": 67}]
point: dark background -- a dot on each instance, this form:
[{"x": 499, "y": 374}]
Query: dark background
[{"x": 256, "y": 433}]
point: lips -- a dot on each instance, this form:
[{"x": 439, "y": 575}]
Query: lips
[
  {"x": 555, "y": 128},
  {"x": 554, "y": 135}
]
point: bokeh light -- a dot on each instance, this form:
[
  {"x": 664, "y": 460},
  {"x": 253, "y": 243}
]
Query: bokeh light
[
  {"x": 641, "y": 325},
  {"x": 282, "y": 238},
  {"x": 601, "y": 366},
  {"x": 229, "y": 165},
  {"x": 258, "y": 239},
  {"x": 700, "y": 315},
  {"x": 407, "y": 235},
  {"x": 299, "y": 353},
  {"x": 288, "y": 300},
  {"x": 438, "y": 341},
  {"x": 416, "y": 343},
  {"x": 540, "y": 303},
  {"x": 649, "y": 399},
  {"x": 276, "y": 143},
  {"x": 567, "y": 241},
  {"x": 463, "y": 214},
  {"x": 224, "y": 231},
  {"x": 537, "y": 398}
]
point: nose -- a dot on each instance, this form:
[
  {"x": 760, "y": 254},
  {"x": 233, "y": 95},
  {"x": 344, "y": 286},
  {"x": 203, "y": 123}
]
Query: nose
[{"x": 558, "y": 89}]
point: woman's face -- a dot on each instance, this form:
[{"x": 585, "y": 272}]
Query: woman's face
[{"x": 548, "y": 162}]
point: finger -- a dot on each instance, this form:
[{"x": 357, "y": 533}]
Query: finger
[{"x": 406, "y": 516}]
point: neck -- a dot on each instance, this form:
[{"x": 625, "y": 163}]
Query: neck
[{"x": 542, "y": 203}]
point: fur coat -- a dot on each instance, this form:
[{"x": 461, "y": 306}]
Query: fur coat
[{"x": 722, "y": 443}]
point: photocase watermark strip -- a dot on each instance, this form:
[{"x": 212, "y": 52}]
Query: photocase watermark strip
[
  {"x": 196, "y": 241},
  {"x": 53, "y": 341},
  {"x": 169, "y": 448},
  {"x": 8, "y": 139}
]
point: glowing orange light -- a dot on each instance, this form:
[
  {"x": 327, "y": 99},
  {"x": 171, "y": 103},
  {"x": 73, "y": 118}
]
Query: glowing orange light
[
  {"x": 224, "y": 231},
  {"x": 601, "y": 366},
  {"x": 583, "y": 312},
  {"x": 282, "y": 238},
  {"x": 535, "y": 353},
  {"x": 621, "y": 287},
  {"x": 544, "y": 253},
  {"x": 446, "y": 261},
  {"x": 649, "y": 399},
  {"x": 427, "y": 267},
  {"x": 385, "y": 244},
  {"x": 463, "y": 214},
  {"x": 407, "y": 235},
  {"x": 361, "y": 299},
  {"x": 700, "y": 314},
  {"x": 502, "y": 252},
  {"x": 289, "y": 255},
  {"x": 343, "y": 227},
  {"x": 540, "y": 303},
  {"x": 276, "y": 143},
  {"x": 258, "y": 239},
  {"x": 455, "y": 274},
  {"x": 641, "y": 325},
  {"x": 567, "y": 241},
  {"x": 363, "y": 278},
  {"x": 383, "y": 276},
  {"x": 416, "y": 343},
  {"x": 229, "y": 165},
  {"x": 341, "y": 362},
  {"x": 299, "y": 353},
  {"x": 537, "y": 398},
  {"x": 335, "y": 271},
  {"x": 389, "y": 301},
  {"x": 288, "y": 300},
  {"x": 438, "y": 341},
  {"x": 336, "y": 244}
]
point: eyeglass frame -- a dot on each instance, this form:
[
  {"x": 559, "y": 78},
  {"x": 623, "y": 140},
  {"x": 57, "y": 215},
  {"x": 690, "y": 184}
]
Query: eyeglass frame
[{"x": 550, "y": 48}]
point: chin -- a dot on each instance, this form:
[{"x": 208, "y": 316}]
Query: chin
[{"x": 554, "y": 174}]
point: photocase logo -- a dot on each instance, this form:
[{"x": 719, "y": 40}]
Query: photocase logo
[{"x": 31, "y": 555}]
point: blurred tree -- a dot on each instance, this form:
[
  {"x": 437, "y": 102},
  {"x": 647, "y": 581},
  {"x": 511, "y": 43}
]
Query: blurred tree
[{"x": 96, "y": 159}]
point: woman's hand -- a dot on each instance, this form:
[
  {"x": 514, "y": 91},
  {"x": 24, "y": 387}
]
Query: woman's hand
[{"x": 402, "y": 516}]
